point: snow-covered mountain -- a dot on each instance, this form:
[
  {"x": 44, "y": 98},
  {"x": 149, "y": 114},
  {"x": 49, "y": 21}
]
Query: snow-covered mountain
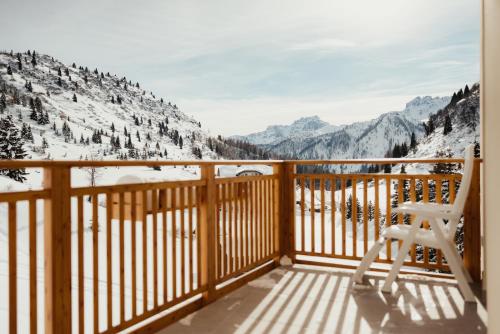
[
  {"x": 72, "y": 112},
  {"x": 304, "y": 127},
  {"x": 369, "y": 139}
]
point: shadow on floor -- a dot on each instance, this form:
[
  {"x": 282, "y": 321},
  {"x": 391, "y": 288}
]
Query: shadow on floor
[{"x": 304, "y": 300}]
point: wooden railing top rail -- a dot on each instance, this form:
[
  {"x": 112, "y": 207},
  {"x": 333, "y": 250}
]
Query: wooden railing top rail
[
  {"x": 384, "y": 161},
  {"x": 137, "y": 163}
]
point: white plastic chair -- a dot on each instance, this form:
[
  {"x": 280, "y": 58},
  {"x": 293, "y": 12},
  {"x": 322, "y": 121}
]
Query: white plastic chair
[{"x": 440, "y": 236}]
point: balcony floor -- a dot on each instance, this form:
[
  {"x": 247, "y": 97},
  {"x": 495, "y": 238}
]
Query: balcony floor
[{"x": 305, "y": 299}]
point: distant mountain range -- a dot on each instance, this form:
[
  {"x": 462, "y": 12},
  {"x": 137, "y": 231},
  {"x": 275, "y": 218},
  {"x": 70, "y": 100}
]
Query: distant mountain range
[{"x": 313, "y": 138}]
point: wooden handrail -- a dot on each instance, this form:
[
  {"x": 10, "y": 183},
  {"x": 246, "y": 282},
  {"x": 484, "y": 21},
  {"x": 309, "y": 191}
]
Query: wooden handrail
[{"x": 137, "y": 163}]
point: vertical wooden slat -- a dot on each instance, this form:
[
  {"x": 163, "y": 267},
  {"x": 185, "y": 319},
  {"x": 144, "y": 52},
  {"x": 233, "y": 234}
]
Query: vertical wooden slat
[
  {"x": 144, "y": 251},
  {"x": 365, "y": 215},
  {"x": 133, "y": 245},
  {"x": 12, "y": 267},
  {"x": 377, "y": 210},
  {"x": 154, "y": 199},
  {"x": 439, "y": 199},
  {"x": 163, "y": 198},
  {"x": 333, "y": 211},
  {"x": 354, "y": 217},
  {"x": 95, "y": 261},
  {"x": 218, "y": 229},
  {"x": 33, "y": 266},
  {"x": 230, "y": 227},
  {"x": 413, "y": 198},
  {"x": 224, "y": 229},
  {"x": 251, "y": 222},
  {"x": 190, "y": 237},
  {"x": 109, "y": 274},
  {"x": 247, "y": 224},
  {"x": 343, "y": 206},
  {"x": 400, "y": 199},
  {"x": 182, "y": 207},
  {"x": 241, "y": 225},
  {"x": 322, "y": 214},
  {"x": 269, "y": 216},
  {"x": 198, "y": 233},
  {"x": 236, "y": 215},
  {"x": 230, "y": 189},
  {"x": 388, "y": 218},
  {"x": 302, "y": 214},
  {"x": 122, "y": 256},
  {"x": 425, "y": 199},
  {"x": 261, "y": 221},
  {"x": 313, "y": 213},
  {"x": 265, "y": 220},
  {"x": 173, "y": 212},
  {"x": 81, "y": 302}
]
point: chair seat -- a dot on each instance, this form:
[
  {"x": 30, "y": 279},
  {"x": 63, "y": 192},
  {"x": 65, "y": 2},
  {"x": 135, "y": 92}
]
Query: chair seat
[
  {"x": 427, "y": 210},
  {"x": 424, "y": 237}
]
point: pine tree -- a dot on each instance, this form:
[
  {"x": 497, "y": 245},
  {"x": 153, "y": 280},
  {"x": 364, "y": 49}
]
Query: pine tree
[
  {"x": 59, "y": 82},
  {"x": 59, "y": 73},
  {"x": 9, "y": 70},
  {"x": 180, "y": 142},
  {"x": 447, "y": 125},
  {"x": 3, "y": 103},
  {"x": 74, "y": 98},
  {"x": 466, "y": 91},
  {"x": 113, "y": 127},
  {"x": 138, "y": 136},
  {"x": 11, "y": 147},
  {"x": 26, "y": 132},
  {"x": 33, "y": 59},
  {"x": 413, "y": 141}
]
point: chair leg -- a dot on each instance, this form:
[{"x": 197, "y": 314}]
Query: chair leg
[
  {"x": 459, "y": 260},
  {"x": 367, "y": 260},
  {"x": 403, "y": 251},
  {"x": 459, "y": 272}
]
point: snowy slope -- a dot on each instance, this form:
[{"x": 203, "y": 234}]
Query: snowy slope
[
  {"x": 94, "y": 110},
  {"x": 464, "y": 116}
]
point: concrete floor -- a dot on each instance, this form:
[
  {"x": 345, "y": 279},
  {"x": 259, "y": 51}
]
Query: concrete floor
[{"x": 304, "y": 299}]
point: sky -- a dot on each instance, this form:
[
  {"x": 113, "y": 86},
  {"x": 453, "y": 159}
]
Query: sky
[{"x": 239, "y": 66}]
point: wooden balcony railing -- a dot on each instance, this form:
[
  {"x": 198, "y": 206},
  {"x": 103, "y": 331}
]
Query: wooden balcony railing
[{"x": 140, "y": 256}]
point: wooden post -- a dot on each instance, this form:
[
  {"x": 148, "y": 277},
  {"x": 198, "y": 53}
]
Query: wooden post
[
  {"x": 57, "y": 225},
  {"x": 287, "y": 211},
  {"x": 278, "y": 172},
  {"x": 472, "y": 225},
  {"x": 207, "y": 233}
]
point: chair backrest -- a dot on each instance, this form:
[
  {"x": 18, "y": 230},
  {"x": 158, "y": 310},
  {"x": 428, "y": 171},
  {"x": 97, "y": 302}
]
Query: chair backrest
[{"x": 463, "y": 191}]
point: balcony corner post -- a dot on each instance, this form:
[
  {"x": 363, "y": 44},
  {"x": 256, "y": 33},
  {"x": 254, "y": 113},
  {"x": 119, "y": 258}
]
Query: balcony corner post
[
  {"x": 286, "y": 209},
  {"x": 57, "y": 239},
  {"x": 472, "y": 225},
  {"x": 207, "y": 233}
]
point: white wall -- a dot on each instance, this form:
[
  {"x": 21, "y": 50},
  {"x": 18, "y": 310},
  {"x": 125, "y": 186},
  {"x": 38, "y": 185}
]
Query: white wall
[{"x": 490, "y": 119}]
